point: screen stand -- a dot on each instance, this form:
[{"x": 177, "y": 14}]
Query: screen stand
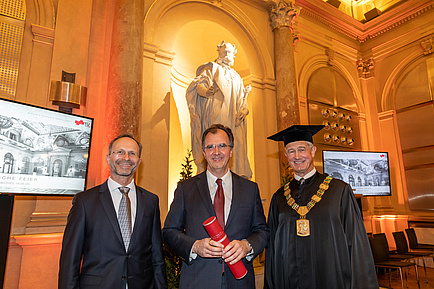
[{"x": 6, "y": 206}]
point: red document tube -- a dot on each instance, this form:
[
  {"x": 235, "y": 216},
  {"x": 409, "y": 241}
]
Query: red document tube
[{"x": 216, "y": 233}]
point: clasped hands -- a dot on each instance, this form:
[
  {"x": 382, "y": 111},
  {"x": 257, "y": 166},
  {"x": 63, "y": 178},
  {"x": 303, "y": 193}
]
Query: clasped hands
[{"x": 231, "y": 254}]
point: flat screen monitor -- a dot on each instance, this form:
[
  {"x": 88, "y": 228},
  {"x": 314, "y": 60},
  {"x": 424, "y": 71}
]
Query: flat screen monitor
[
  {"x": 366, "y": 172},
  {"x": 42, "y": 151}
]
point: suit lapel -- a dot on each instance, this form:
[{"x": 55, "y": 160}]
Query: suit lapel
[
  {"x": 202, "y": 186},
  {"x": 140, "y": 210},
  {"x": 236, "y": 198},
  {"x": 107, "y": 203}
]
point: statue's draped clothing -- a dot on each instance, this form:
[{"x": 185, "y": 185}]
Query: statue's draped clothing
[{"x": 224, "y": 107}]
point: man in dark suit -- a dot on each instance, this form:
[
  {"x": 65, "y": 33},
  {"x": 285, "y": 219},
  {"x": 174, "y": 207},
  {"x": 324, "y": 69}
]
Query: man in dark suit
[
  {"x": 205, "y": 260},
  {"x": 113, "y": 235}
]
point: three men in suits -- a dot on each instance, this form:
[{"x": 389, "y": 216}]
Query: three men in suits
[
  {"x": 243, "y": 219},
  {"x": 100, "y": 251}
]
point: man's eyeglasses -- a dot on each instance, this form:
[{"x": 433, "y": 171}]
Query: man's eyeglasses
[
  {"x": 221, "y": 146},
  {"x": 122, "y": 153}
]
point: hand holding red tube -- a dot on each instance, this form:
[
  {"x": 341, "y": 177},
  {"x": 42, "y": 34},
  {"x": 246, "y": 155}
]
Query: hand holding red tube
[{"x": 217, "y": 234}]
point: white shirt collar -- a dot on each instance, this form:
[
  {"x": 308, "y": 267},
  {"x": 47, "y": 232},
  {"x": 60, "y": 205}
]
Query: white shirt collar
[
  {"x": 308, "y": 175},
  {"x": 226, "y": 179},
  {"x": 113, "y": 185}
]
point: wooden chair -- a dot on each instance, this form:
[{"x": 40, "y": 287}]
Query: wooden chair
[
  {"x": 402, "y": 248},
  {"x": 382, "y": 260}
]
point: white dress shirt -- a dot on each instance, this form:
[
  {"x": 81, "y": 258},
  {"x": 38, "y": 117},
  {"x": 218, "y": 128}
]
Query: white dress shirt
[
  {"x": 227, "y": 189},
  {"x": 117, "y": 196}
]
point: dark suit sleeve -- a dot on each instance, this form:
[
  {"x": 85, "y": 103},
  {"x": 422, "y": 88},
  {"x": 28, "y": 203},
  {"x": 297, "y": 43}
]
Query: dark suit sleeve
[
  {"x": 173, "y": 231},
  {"x": 259, "y": 228},
  {"x": 72, "y": 246},
  {"x": 157, "y": 251}
]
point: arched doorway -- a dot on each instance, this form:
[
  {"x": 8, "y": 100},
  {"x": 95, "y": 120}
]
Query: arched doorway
[
  {"x": 183, "y": 36},
  {"x": 25, "y": 165},
  {"x": 8, "y": 163}
]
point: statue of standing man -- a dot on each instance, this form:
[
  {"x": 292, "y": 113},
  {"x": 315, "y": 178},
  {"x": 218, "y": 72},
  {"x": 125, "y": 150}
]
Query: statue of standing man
[{"x": 218, "y": 95}]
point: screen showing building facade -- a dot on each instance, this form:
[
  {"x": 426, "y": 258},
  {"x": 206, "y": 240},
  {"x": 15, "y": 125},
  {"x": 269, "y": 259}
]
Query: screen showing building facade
[
  {"x": 366, "y": 172},
  {"x": 42, "y": 151}
]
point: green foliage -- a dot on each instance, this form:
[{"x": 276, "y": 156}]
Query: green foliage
[
  {"x": 173, "y": 262},
  {"x": 288, "y": 175},
  {"x": 187, "y": 167},
  {"x": 173, "y": 268}
]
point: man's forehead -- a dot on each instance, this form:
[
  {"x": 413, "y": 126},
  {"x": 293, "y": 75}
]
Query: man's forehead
[
  {"x": 297, "y": 144},
  {"x": 126, "y": 142}
]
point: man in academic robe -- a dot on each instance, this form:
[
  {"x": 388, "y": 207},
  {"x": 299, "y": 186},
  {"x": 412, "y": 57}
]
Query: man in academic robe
[
  {"x": 317, "y": 235},
  {"x": 113, "y": 235},
  {"x": 241, "y": 215}
]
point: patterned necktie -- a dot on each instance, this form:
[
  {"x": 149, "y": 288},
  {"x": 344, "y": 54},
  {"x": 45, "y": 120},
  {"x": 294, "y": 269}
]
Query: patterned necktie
[
  {"x": 124, "y": 217},
  {"x": 302, "y": 181},
  {"x": 219, "y": 203}
]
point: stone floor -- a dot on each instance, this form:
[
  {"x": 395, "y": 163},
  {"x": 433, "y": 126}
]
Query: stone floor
[
  {"x": 395, "y": 283},
  {"x": 383, "y": 279}
]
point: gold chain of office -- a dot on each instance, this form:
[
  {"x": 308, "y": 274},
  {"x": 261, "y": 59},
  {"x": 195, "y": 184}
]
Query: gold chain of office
[{"x": 303, "y": 227}]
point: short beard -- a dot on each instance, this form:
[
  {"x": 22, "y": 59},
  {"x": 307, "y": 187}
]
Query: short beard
[{"x": 225, "y": 61}]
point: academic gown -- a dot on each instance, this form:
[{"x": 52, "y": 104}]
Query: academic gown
[{"x": 337, "y": 253}]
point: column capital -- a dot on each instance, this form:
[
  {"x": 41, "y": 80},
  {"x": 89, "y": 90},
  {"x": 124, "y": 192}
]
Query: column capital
[
  {"x": 330, "y": 56},
  {"x": 427, "y": 45},
  {"x": 365, "y": 67},
  {"x": 283, "y": 14}
]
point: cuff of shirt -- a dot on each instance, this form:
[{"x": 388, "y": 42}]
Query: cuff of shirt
[
  {"x": 192, "y": 256},
  {"x": 249, "y": 255}
]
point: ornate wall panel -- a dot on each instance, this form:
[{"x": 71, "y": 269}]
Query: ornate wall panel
[
  {"x": 415, "y": 118},
  {"x": 332, "y": 103},
  {"x": 11, "y": 35}
]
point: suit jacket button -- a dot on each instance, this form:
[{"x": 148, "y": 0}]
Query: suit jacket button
[
  {"x": 123, "y": 278},
  {"x": 128, "y": 256},
  {"x": 220, "y": 261}
]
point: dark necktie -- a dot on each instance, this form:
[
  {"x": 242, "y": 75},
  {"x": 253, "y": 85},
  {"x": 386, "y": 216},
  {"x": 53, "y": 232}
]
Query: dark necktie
[
  {"x": 124, "y": 217},
  {"x": 219, "y": 203}
]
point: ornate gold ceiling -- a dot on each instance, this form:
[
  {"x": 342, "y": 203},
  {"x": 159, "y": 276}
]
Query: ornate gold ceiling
[{"x": 364, "y": 10}]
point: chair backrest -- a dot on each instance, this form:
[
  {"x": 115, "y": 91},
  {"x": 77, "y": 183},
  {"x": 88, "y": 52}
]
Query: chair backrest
[
  {"x": 383, "y": 237},
  {"x": 412, "y": 239},
  {"x": 401, "y": 242},
  {"x": 379, "y": 250}
]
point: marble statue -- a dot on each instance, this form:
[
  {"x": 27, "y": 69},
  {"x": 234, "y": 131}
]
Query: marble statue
[{"x": 218, "y": 95}]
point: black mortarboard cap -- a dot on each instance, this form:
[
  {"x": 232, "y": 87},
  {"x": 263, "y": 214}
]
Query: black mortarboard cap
[{"x": 296, "y": 133}]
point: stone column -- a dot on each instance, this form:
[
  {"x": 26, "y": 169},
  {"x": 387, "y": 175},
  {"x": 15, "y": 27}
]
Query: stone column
[
  {"x": 367, "y": 81},
  {"x": 282, "y": 17},
  {"x": 123, "y": 106}
]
